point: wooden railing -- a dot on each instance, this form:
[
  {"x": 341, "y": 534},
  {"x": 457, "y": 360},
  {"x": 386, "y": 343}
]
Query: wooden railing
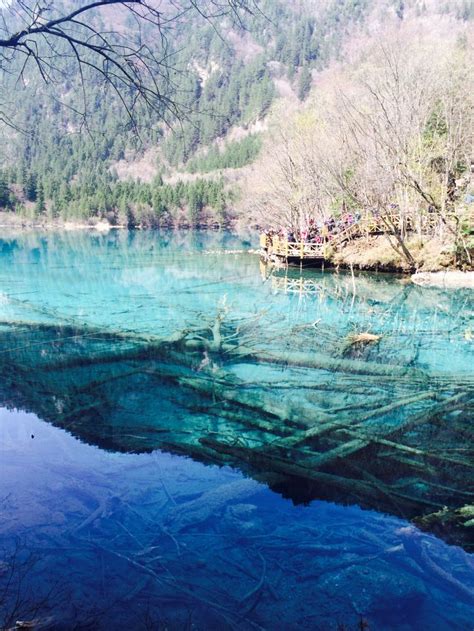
[
  {"x": 300, "y": 249},
  {"x": 363, "y": 227},
  {"x": 295, "y": 285}
]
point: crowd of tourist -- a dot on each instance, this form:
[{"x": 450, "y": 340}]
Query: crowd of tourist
[{"x": 316, "y": 231}]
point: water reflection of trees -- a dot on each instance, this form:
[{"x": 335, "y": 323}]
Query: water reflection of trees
[
  {"x": 359, "y": 390},
  {"x": 313, "y": 415}
]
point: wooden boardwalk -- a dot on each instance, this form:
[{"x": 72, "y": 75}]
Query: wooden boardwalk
[{"x": 277, "y": 247}]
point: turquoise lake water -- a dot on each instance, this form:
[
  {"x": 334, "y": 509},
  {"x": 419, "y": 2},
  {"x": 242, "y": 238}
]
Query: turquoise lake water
[{"x": 190, "y": 440}]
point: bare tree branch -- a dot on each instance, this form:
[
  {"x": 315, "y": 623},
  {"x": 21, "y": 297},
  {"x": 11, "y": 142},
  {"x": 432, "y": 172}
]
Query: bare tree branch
[{"x": 136, "y": 63}]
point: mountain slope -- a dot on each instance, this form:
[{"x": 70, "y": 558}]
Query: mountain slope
[{"x": 226, "y": 78}]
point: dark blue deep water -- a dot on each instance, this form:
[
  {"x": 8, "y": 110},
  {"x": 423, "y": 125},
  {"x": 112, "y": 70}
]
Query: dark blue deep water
[{"x": 189, "y": 440}]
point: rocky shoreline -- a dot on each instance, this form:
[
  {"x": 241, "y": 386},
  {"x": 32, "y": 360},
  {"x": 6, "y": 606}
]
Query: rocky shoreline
[
  {"x": 375, "y": 253},
  {"x": 13, "y": 222},
  {"x": 447, "y": 279}
]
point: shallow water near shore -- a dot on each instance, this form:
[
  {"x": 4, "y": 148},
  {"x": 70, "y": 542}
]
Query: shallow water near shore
[{"x": 189, "y": 440}]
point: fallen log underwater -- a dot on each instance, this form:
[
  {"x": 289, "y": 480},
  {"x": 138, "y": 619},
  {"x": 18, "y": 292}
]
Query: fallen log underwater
[{"x": 306, "y": 439}]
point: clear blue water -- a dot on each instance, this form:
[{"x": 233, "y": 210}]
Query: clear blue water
[{"x": 168, "y": 489}]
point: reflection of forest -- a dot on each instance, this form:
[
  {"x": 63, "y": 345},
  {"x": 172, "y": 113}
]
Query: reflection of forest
[
  {"x": 358, "y": 391},
  {"x": 347, "y": 429},
  {"x": 145, "y": 281}
]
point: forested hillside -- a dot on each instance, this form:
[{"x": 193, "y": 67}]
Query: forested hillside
[
  {"x": 71, "y": 150},
  {"x": 383, "y": 147}
]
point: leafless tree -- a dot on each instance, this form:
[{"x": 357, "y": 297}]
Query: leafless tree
[
  {"x": 296, "y": 188},
  {"x": 391, "y": 138},
  {"x": 406, "y": 131},
  {"x": 124, "y": 42}
]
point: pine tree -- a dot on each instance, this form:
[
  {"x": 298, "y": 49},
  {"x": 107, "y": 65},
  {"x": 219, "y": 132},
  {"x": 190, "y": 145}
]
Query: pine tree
[
  {"x": 304, "y": 83},
  {"x": 5, "y": 199},
  {"x": 31, "y": 187},
  {"x": 40, "y": 207}
]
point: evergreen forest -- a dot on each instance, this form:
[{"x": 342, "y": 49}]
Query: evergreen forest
[{"x": 72, "y": 151}]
